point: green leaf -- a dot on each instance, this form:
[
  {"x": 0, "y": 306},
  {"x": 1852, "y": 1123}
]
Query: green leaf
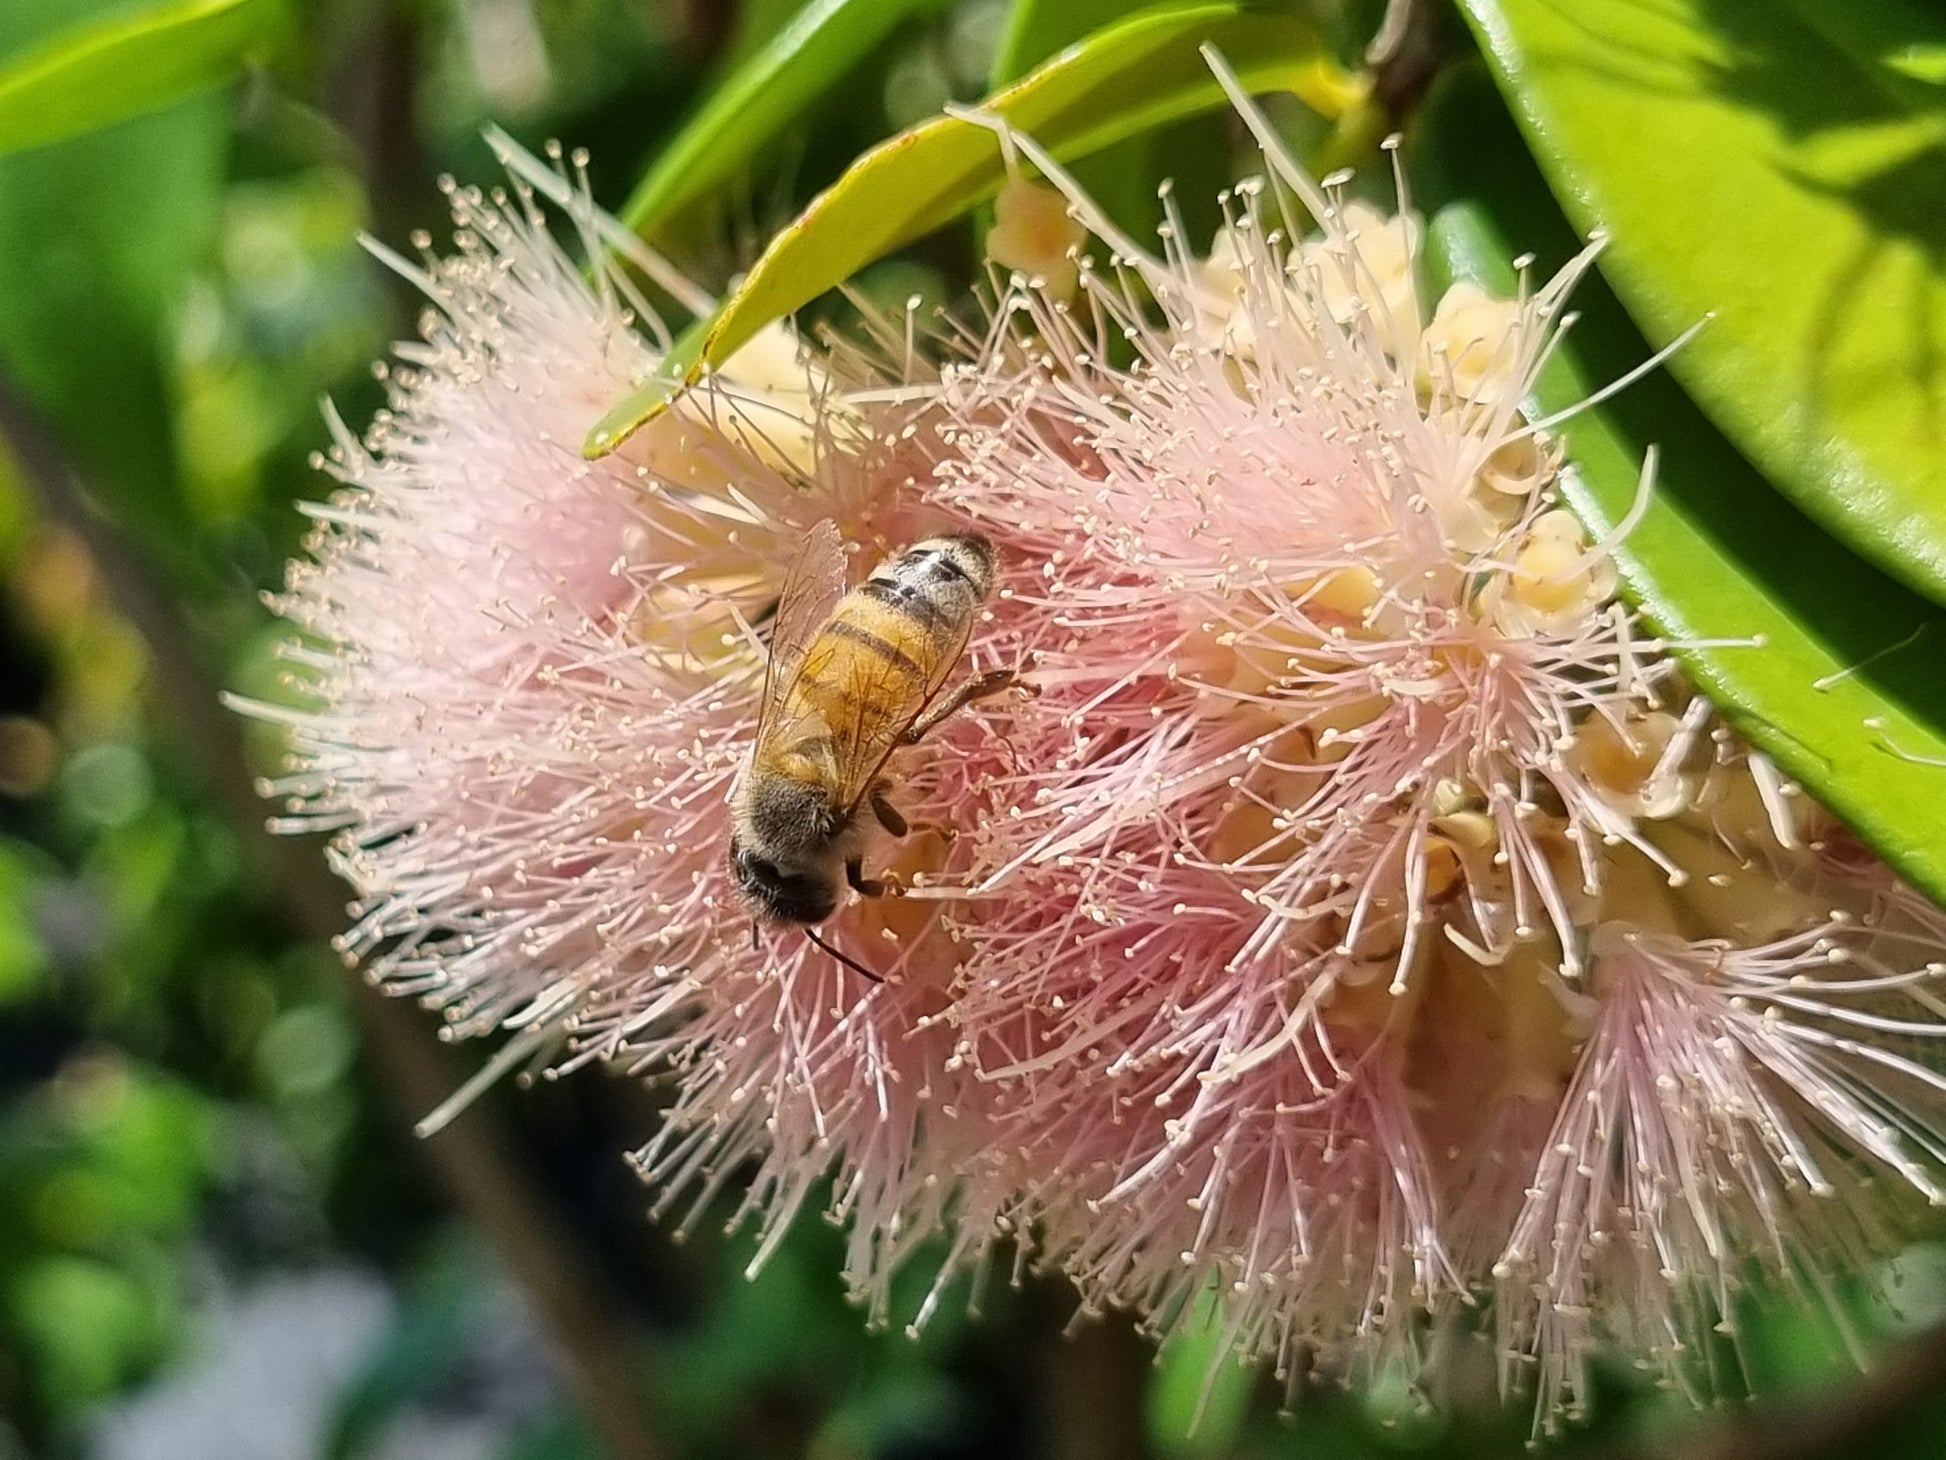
[
  {"x": 24, "y": 961},
  {"x": 1784, "y": 166},
  {"x": 1135, "y": 75},
  {"x": 108, "y": 227},
  {"x": 129, "y": 62},
  {"x": 1198, "y": 1396},
  {"x": 89, "y": 1327},
  {"x": 1843, "y": 690},
  {"x": 1036, "y": 29},
  {"x": 757, "y": 104}
]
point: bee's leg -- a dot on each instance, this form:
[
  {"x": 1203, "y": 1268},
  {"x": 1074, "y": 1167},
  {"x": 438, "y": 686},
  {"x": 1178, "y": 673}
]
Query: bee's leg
[
  {"x": 901, "y": 825},
  {"x": 869, "y": 886},
  {"x": 978, "y": 687},
  {"x": 888, "y": 815}
]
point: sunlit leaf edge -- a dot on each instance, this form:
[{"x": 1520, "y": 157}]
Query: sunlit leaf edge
[
  {"x": 1038, "y": 29},
  {"x": 759, "y": 101}
]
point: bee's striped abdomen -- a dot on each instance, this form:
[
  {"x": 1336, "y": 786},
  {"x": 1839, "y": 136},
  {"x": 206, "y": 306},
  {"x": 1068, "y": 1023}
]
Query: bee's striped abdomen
[
  {"x": 895, "y": 637},
  {"x": 935, "y": 586}
]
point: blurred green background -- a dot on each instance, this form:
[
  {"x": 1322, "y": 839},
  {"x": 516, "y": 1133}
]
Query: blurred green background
[{"x": 217, "y": 1236}]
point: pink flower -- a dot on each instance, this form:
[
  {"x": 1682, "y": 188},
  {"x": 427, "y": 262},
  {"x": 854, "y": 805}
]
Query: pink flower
[
  {"x": 525, "y": 684},
  {"x": 1350, "y": 823},
  {"x": 1727, "y": 1113},
  {"x": 1363, "y": 924}
]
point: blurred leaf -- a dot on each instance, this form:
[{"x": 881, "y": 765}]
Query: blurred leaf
[
  {"x": 784, "y": 1329},
  {"x": 108, "y": 227},
  {"x": 1786, "y": 1346},
  {"x": 1036, "y": 29},
  {"x": 82, "y": 341},
  {"x": 562, "y": 1434},
  {"x": 106, "y": 785},
  {"x": 144, "y": 1139},
  {"x": 92, "y": 1327},
  {"x": 129, "y": 62},
  {"x": 758, "y": 103},
  {"x": 1199, "y": 1397},
  {"x": 307, "y": 1050},
  {"x": 103, "y": 1171},
  {"x": 1784, "y": 166},
  {"x": 23, "y": 957},
  {"x": 900, "y": 1413},
  {"x": 285, "y": 310},
  {"x": 428, "y": 1340},
  {"x": 1843, "y": 689},
  {"x": 138, "y": 866},
  {"x": 1138, "y": 74}
]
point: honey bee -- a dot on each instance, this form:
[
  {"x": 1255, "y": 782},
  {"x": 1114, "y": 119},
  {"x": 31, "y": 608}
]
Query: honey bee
[{"x": 853, "y": 677}]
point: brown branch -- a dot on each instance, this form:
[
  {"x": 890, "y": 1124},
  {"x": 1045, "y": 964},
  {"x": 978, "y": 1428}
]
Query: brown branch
[
  {"x": 471, "y": 1157},
  {"x": 370, "y": 90},
  {"x": 1093, "y": 1374},
  {"x": 1838, "y": 1419},
  {"x": 1413, "y": 44}
]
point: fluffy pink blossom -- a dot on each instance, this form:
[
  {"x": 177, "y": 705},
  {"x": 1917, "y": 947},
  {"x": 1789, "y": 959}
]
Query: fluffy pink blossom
[
  {"x": 1363, "y": 924},
  {"x": 524, "y": 685},
  {"x": 1380, "y": 930}
]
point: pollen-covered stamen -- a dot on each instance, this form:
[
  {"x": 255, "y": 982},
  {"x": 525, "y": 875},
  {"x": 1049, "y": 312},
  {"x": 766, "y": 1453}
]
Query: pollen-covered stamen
[
  {"x": 1723, "y": 1089},
  {"x": 1316, "y": 1223},
  {"x": 1362, "y": 658},
  {"x": 527, "y": 683}
]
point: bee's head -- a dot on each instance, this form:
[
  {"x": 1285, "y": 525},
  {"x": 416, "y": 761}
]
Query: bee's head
[{"x": 783, "y": 894}]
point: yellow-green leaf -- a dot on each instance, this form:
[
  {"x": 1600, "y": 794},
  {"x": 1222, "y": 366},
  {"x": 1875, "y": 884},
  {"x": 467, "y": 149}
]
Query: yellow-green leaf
[
  {"x": 1781, "y": 165},
  {"x": 129, "y": 62},
  {"x": 1133, "y": 75}
]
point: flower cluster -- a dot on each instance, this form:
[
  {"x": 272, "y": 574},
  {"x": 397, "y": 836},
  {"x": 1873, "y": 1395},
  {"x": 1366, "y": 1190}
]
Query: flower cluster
[
  {"x": 1380, "y": 928},
  {"x": 1363, "y": 925}
]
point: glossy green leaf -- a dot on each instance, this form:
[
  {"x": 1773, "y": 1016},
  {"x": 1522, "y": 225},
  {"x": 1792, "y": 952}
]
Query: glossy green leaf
[
  {"x": 1135, "y": 75},
  {"x": 1842, "y": 686},
  {"x": 760, "y": 101},
  {"x": 129, "y": 62},
  {"x": 1782, "y": 165}
]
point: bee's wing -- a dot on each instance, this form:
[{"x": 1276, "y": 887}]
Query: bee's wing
[
  {"x": 879, "y": 728},
  {"x": 812, "y": 588}
]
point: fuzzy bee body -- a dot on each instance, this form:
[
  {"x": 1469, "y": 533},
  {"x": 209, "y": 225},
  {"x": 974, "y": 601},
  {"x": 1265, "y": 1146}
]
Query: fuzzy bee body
[{"x": 853, "y": 677}]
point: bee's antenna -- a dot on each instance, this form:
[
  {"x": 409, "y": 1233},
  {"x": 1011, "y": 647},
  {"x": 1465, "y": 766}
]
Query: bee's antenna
[
  {"x": 753, "y": 935},
  {"x": 853, "y": 964}
]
